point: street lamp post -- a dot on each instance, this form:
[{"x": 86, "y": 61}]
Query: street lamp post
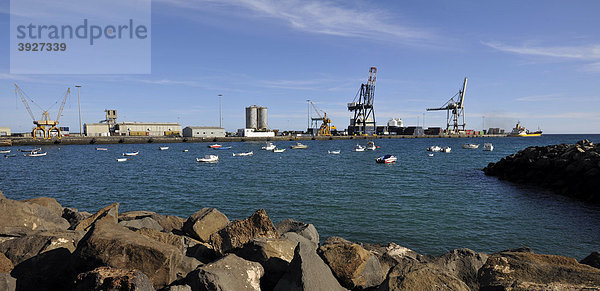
[
  {"x": 79, "y": 105},
  {"x": 307, "y": 114},
  {"x": 220, "y": 119}
]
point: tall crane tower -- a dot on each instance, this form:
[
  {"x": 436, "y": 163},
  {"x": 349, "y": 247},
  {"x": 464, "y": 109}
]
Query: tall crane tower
[
  {"x": 363, "y": 120},
  {"x": 325, "y": 127},
  {"x": 45, "y": 126},
  {"x": 455, "y": 111}
]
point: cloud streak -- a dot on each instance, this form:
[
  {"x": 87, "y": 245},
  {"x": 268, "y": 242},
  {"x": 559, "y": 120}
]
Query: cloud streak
[
  {"x": 584, "y": 52},
  {"x": 321, "y": 17}
]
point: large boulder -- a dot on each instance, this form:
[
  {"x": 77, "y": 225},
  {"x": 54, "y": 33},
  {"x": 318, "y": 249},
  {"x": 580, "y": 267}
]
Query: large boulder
[
  {"x": 6, "y": 264},
  {"x": 7, "y": 283},
  {"x": 527, "y": 271},
  {"x": 463, "y": 264},
  {"x": 168, "y": 223},
  {"x": 50, "y": 270},
  {"x": 307, "y": 271},
  {"x": 392, "y": 254},
  {"x": 205, "y": 222},
  {"x": 592, "y": 260},
  {"x": 351, "y": 264},
  {"x": 164, "y": 237},
  {"x": 239, "y": 232},
  {"x": 304, "y": 229},
  {"x": 19, "y": 216},
  {"x": 292, "y": 236},
  {"x": 107, "y": 278},
  {"x": 414, "y": 275},
  {"x": 228, "y": 273},
  {"x": 110, "y": 244},
  {"x": 274, "y": 254},
  {"x": 26, "y": 247},
  {"x": 49, "y": 203},
  {"x": 143, "y": 223},
  {"x": 109, "y": 212},
  {"x": 73, "y": 216}
]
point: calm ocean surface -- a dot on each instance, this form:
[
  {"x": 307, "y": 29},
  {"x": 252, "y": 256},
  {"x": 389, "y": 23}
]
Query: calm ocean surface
[{"x": 429, "y": 204}]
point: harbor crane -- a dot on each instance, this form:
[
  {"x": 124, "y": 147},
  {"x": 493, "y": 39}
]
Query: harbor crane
[
  {"x": 455, "y": 111},
  {"x": 363, "y": 121},
  {"x": 45, "y": 126},
  {"x": 325, "y": 128}
]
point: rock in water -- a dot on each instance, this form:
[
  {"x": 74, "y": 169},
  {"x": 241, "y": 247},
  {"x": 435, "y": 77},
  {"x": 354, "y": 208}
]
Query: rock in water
[
  {"x": 205, "y": 222},
  {"x": 592, "y": 260},
  {"x": 18, "y": 216},
  {"x": 351, "y": 264},
  {"x": 228, "y": 273},
  {"x": 527, "y": 271},
  {"x": 110, "y": 244},
  {"x": 239, "y": 232},
  {"x": 304, "y": 229},
  {"x": 307, "y": 271},
  {"x": 107, "y": 278}
]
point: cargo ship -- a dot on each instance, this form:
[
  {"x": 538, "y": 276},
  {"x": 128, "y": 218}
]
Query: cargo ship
[{"x": 521, "y": 131}]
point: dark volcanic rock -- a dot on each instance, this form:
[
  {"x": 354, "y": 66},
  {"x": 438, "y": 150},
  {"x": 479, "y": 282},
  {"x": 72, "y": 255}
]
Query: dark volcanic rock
[
  {"x": 592, "y": 260},
  {"x": 26, "y": 247},
  {"x": 73, "y": 216},
  {"x": 143, "y": 223},
  {"x": 463, "y": 264},
  {"x": 304, "y": 229},
  {"x": 7, "y": 283},
  {"x": 391, "y": 254},
  {"x": 205, "y": 222},
  {"x": 168, "y": 223},
  {"x": 274, "y": 254},
  {"x": 19, "y": 216},
  {"x": 5, "y": 264},
  {"x": 50, "y": 270},
  {"x": 49, "y": 203},
  {"x": 239, "y": 232},
  {"x": 307, "y": 271},
  {"x": 571, "y": 170},
  {"x": 107, "y": 278},
  {"x": 111, "y": 212},
  {"x": 228, "y": 273},
  {"x": 527, "y": 271},
  {"x": 113, "y": 245},
  {"x": 351, "y": 264}
]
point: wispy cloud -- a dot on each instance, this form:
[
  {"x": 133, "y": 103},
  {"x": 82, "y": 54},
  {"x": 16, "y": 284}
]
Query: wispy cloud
[
  {"x": 169, "y": 82},
  {"x": 322, "y": 17},
  {"x": 537, "y": 98},
  {"x": 584, "y": 52}
]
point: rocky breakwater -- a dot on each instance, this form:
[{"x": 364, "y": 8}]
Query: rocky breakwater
[
  {"x": 44, "y": 246},
  {"x": 570, "y": 170}
]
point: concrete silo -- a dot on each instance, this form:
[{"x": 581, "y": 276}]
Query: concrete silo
[
  {"x": 262, "y": 118},
  {"x": 252, "y": 117}
]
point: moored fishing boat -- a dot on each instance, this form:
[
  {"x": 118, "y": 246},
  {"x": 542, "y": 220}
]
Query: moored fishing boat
[
  {"x": 30, "y": 150},
  {"x": 5, "y": 152},
  {"x": 101, "y": 149},
  {"x": 163, "y": 148},
  {"x": 371, "y": 146},
  {"x": 222, "y": 148},
  {"x": 299, "y": 146},
  {"x": 358, "y": 148},
  {"x": 208, "y": 159},
  {"x": 122, "y": 159},
  {"x": 276, "y": 150},
  {"x": 212, "y": 146},
  {"x": 131, "y": 154},
  {"x": 488, "y": 147},
  {"x": 386, "y": 159},
  {"x": 269, "y": 146},
  {"x": 336, "y": 152},
  {"x": 434, "y": 148},
  {"x": 470, "y": 146},
  {"x": 35, "y": 154},
  {"x": 446, "y": 149},
  {"x": 243, "y": 154}
]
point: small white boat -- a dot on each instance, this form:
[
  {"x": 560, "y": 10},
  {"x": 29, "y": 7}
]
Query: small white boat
[
  {"x": 488, "y": 146},
  {"x": 336, "y": 152},
  {"x": 431, "y": 155},
  {"x": 269, "y": 146},
  {"x": 371, "y": 146},
  {"x": 276, "y": 150},
  {"x": 30, "y": 150},
  {"x": 163, "y": 148},
  {"x": 101, "y": 149},
  {"x": 185, "y": 151},
  {"x": 446, "y": 149},
  {"x": 35, "y": 154},
  {"x": 5, "y": 152},
  {"x": 470, "y": 146},
  {"x": 243, "y": 154},
  {"x": 434, "y": 149},
  {"x": 386, "y": 159},
  {"x": 214, "y": 146},
  {"x": 122, "y": 159},
  {"x": 299, "y": 146},
  {"x": 208, "y": 159},
  {"x": 131, "y": 154},
  {"x": 359, "y": 148}
]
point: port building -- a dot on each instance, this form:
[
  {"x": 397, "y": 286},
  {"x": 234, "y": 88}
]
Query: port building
[
  {"x": 203, "y": 131},
  {"x": 148, "y": 129},
  {"x": 96, "y": 129},
  {"x": 5, "y": 131},
  {"x": 256, "y": 123}
]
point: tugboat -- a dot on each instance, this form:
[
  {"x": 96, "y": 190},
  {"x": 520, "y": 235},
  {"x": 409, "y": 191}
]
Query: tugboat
[{"x": 521, "y": 131}]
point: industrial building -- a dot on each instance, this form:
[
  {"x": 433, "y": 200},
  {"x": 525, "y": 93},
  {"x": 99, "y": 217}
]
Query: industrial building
[
  {"x": 96, "y": 129},
  {"x": 256, "y": 123},
  {"x": 5, "y": 131},
  {"x": 148, "y": 129},
  {"x": 203, "y": 131}
]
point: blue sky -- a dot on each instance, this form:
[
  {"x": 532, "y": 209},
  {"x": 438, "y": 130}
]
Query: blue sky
[{"x": 533, "y": 61}]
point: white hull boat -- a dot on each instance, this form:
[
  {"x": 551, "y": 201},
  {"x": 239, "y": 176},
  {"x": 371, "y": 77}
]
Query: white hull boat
[
  {"x": 299, "y": 146},
  {"x": 35, "y": 154},
  {"x": 387, "y": 159},
  {"x": 163, "y": 148},
  {"x": 488, "y": 147},
  {"x": 470, "y": 146},
  {"x": 5, "y": 152},
  {"x": 101, "y": 149},
  {"x": 371, "y": 146},
  {"x": 334, "y": 152},
  {"x": 269, "y": 147},
  {"x": 359, "y": 148},
  {"x": 434, "y": 149},
  {"x": 446, "y": 149},
  {"x": 131, "y": 154},
  {"x": 243, "y": 154},
  {"x": 208, "y": 159},
  {"x": 276, "y": 150},
  {"x": 122, "y": 159}
]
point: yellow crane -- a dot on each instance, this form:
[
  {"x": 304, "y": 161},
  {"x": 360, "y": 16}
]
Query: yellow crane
[
  {"x": 40, "y": 125},
  {"x": 325, "y": 128}
]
